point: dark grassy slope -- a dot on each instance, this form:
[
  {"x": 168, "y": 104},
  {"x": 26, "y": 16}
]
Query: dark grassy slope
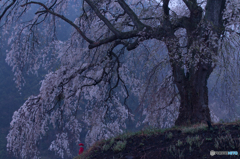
[{"x": 194, "y": 142}]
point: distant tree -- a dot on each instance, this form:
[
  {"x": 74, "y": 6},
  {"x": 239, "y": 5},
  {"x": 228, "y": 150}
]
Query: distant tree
[{"x": 182, "y": 41}]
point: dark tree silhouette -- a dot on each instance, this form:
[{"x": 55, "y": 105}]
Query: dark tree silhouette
[{"x": 96, "y": 64}]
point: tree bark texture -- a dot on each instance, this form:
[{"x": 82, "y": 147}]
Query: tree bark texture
[{"x": 192, "y": 84}]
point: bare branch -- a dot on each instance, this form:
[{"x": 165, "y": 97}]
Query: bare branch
[
  {"x": 105, "y": 20},
  {"x": 5, "y": 10},
  {"x": 132, "y": 15},
  {"x": 62, "y": 17},
  {"x": 125, "y": 35},
  {"x": 191, "y": 4},
  {"x": 165, "y": 7}
]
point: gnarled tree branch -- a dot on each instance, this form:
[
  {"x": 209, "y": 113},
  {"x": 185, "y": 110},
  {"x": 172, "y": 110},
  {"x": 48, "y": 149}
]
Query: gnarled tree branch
[
  {"x": 132, "y": 15},
  {"x": 105, "y": 20},
  {"x": 62, "y": 17}
]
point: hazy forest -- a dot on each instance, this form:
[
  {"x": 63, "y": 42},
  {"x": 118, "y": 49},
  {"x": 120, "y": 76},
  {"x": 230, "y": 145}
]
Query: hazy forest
[{"x": 81, "y": 71}]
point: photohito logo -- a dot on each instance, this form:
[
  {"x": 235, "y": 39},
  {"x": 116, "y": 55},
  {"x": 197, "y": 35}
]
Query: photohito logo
[{"x": 212, "y": 153}]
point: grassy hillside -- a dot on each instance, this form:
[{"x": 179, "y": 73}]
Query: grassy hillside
[{"x": 195, "y": 141}]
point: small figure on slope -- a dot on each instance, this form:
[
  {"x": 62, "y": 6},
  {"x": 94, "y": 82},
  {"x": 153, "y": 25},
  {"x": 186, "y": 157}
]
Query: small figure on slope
[{"x": 81, "y": 148}]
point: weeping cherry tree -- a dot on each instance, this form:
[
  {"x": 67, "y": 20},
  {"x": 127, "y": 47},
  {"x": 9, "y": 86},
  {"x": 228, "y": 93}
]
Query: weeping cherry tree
[{"x": 160, "y": 51}]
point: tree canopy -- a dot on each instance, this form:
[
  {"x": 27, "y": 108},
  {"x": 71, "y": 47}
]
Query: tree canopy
[{"x": 160, "y": 51}]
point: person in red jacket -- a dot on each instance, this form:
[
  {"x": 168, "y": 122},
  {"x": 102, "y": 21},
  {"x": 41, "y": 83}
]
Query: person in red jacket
[{"x": 81, "y": 148}]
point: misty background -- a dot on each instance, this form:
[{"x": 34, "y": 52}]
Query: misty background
[{"x": 11, "y": 99}]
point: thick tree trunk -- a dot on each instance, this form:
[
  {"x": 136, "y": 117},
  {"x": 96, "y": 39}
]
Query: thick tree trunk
[
  {"x": 192, "y": 83},
  {"x": 194, "y": 96}
]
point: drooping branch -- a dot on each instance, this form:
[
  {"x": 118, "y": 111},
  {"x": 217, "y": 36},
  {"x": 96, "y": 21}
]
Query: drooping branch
[
  {"x": 147, "y": 33},
  {"x": 125, "y": 35},
  {"x": 62, "y": 17},
  {"x": 5, "y": 10},
  {"x": 118, "y": 35},
  {"x": 105, "y": 20}
]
